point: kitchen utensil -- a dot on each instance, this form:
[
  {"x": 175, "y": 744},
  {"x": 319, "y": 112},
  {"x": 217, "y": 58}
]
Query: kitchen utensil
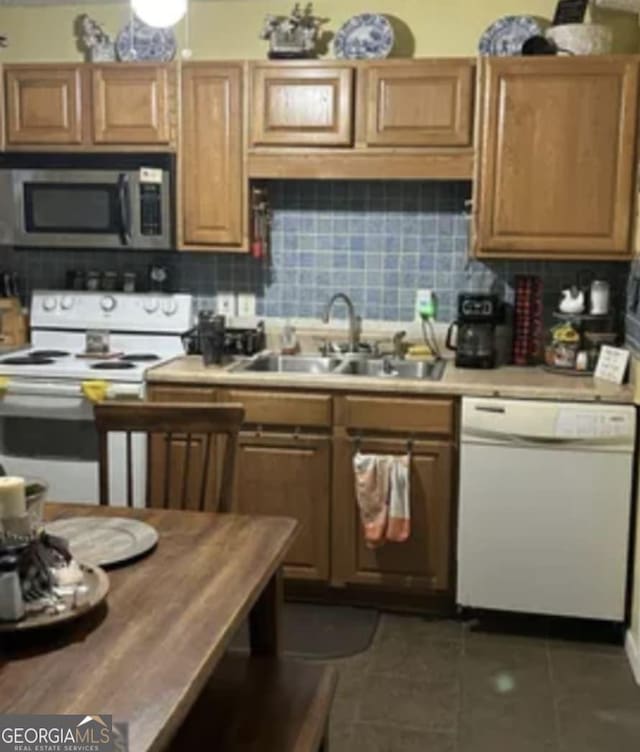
[
  {"x": 582, "y": 39},
  {"x": 104, "y": 541},
  {"x": 80, "y": 600},
  {"x": 507, "y": 35},
  {"x": 367, "y": 36},
  {"x": 600, "y": 297}
]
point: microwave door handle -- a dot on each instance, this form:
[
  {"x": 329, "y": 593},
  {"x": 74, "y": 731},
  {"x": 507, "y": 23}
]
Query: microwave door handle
[{"x": 125, "y": 213}]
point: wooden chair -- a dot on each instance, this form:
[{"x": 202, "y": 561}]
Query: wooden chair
[{"x": 191, "y": 429}]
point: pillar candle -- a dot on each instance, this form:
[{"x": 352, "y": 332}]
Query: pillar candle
[{"x": 13, "y": 500}]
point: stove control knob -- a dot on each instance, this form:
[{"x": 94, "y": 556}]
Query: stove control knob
[
  {"x": 49, "y": 304},
  {"x": 66, "y": 303},
  {"x": 108, "y": 303},
  {"x": 151, "y": 305},
  {"x": 169, "y": 307}
]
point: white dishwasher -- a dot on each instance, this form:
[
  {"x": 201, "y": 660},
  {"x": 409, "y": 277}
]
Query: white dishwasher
[{"x": 545, "y": 507}]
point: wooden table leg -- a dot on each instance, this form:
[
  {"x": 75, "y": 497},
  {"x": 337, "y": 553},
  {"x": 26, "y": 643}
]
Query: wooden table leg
[{"x": 265, "y": 619}]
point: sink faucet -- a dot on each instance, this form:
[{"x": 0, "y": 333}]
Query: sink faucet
[{"x": 354, "y": 321}]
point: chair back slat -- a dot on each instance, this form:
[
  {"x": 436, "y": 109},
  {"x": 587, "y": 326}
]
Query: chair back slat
[
  {"x": 185, "y": 474},
  {"x": 198, "y": 425},
  {"x": 129, "y": 453}
]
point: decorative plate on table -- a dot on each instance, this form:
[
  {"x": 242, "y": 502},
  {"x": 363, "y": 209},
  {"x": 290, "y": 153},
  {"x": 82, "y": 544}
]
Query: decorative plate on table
[
  {"x": 105, "y": 541},
  {"x": 138, "y": 42},
  {"x": 507, "y": 35},
  {"x": 368, "y": 36},
  {"x": 78, "y": 600}
]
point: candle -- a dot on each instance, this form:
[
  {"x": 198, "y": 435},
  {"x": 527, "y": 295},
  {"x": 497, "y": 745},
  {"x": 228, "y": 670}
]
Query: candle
[{"x": 13, "y": 499}]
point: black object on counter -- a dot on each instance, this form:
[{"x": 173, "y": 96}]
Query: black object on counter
[
  {"x": 212, "y": 329},
  {"x": 237, "y": 342},
  {"x": 570, "y": 12},
  {"x": 478, "y": 316}
]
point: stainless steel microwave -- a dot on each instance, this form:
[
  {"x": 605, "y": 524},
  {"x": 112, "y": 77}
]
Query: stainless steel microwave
[{"x": 87, "y": 201}]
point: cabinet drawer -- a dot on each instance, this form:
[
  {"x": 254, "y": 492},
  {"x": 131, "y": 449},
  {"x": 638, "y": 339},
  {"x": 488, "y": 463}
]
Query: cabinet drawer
[
  {"x": 281, "y": 409},
  {"x": 181, "y": 394},
  {"x": 396, "y": 415}
]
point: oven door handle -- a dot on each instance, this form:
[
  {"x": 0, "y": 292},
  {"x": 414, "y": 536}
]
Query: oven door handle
[
  {"x": 72, "y": 389},
  {"x": 124, "y": 202}
]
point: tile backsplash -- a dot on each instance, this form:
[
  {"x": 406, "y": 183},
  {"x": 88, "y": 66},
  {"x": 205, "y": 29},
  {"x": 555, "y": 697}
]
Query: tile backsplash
[{"x": 379, "y": 241}]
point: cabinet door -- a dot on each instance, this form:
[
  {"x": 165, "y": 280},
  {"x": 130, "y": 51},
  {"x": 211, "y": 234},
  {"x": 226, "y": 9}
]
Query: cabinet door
[
  {"x": 558, "y": 157},
  {"x": 168, "y": 456},
  {"x": 44, "y": 105},
  {"x": 289, "y": 475},
  {"x": 423, "y": 563},
  {"x": 427, "y": 103},
  {"x": 212, "y": 155},
  {"x": 302, "y": 106},
  {"x": 130, "y": 104}
]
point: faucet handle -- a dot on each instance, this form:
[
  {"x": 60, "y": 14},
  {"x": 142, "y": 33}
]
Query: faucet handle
[{"x": 399, "y": 346}]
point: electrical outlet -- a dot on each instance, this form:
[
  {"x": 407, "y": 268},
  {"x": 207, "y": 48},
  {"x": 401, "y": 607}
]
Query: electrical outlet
[
  {"x": 226, "y": 304},
  {"x": 246, "y": 305},
  {"x": 424, "y": 301}
]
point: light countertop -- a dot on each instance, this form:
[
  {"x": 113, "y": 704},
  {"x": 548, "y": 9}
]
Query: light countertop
[{"x": 509, "y": 382}]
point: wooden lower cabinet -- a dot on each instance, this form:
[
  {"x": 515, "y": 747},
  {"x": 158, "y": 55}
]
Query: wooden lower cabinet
[
  {"x": 290, "y": 475},
  {"x": 167, "y": 463},
  {"x": 423, "y": 563}
]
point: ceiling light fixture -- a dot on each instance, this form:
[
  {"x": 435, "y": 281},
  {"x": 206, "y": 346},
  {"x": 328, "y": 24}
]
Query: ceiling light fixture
[{"x": 160, "y": 13}]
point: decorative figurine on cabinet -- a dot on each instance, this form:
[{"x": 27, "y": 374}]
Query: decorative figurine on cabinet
[
  {"x": 293, "y": 37},
  {"x": 94, "y": 39}
]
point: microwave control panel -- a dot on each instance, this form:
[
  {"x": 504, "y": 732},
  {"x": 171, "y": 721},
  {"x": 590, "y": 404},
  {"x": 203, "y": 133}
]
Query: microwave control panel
[{"x": 151, "y": 209}]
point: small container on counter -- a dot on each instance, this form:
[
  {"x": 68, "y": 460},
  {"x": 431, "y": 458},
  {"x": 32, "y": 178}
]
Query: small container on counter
[
  {"x": 129, "y": 282},
  {"x": 212, "y": 331},
  {"x": 11, "y": 601},
  {"x": 289, "y": 344},
  {"x": 110, "y": 281},
  {"x": 93, "y": 281}
]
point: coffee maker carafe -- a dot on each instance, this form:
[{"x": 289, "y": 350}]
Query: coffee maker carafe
[{"x": 478, "y": 316}]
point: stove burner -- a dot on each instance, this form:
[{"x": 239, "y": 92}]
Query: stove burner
[
  {"x": 26, "y": 360},
  {"x": 48, "y": 354},
  {"x": 112, "y": 365},
  {"x": 140, "y": 358}
]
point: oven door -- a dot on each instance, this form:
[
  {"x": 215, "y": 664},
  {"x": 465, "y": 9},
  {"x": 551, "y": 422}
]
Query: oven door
[
  {"x": 53, "y": 439},
  {"x": 68, "y": 208}
]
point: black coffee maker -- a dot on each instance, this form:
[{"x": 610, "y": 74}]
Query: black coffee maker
[{"x": 478, "y": 316}]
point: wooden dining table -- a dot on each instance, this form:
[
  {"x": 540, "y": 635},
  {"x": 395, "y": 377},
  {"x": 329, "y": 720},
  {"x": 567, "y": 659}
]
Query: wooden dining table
[{"x": 145, "y": 655}]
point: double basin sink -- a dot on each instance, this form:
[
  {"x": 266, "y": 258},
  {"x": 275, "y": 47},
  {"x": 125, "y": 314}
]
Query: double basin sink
[{"x": 379, "y": 368}]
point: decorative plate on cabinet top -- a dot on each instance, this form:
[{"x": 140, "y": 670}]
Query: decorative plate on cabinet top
[
  {"x": 368, "y": 36},
  {"x": 507, "y": 35},
  {"x": 138, "y": 42}
]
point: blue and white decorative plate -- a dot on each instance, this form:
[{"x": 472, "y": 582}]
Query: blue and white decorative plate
[
  {"x": 368, "y": 36},
  {"x": 138, "y": 42},
  {"x": 507, "y": 35}
]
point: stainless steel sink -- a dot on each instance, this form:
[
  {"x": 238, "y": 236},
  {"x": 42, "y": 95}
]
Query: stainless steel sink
[
  {"x": 291, "y": 364},
  {"x": 378, "y": 368},
  {"x": 390, "y": 369}
]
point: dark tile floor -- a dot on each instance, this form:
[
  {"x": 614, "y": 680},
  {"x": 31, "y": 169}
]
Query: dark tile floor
[{"x": 438, "y": 686}]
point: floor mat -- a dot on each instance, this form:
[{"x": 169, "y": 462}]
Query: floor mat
[{"x": 322, "y": 632}]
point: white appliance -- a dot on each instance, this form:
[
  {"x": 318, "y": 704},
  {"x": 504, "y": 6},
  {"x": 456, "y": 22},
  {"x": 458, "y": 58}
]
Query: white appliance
[
  {"x": 545, "y": 507},
  {"x": 46, "y": 391}
]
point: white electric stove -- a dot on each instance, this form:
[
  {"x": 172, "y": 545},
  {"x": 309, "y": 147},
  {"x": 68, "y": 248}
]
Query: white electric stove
[{"x": 47, "y": 390}]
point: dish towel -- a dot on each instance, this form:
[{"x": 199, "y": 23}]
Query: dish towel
[{"x": 383, "y": 495}]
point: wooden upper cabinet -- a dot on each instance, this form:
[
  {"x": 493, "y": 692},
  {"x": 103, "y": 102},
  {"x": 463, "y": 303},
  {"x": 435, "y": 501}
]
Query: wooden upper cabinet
[
  {"x": 558, "y": 157},
  {"x": 426, "y": 103},
  {"x": 130, "y": 104},
  {"x": 212, "y": 169},
  {"x": 44, "y": 105},
  {"x": 309, "y": 105}
]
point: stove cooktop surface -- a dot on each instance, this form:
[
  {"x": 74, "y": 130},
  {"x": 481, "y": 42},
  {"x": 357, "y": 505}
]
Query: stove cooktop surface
[{"x": 59, "y": 364}]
